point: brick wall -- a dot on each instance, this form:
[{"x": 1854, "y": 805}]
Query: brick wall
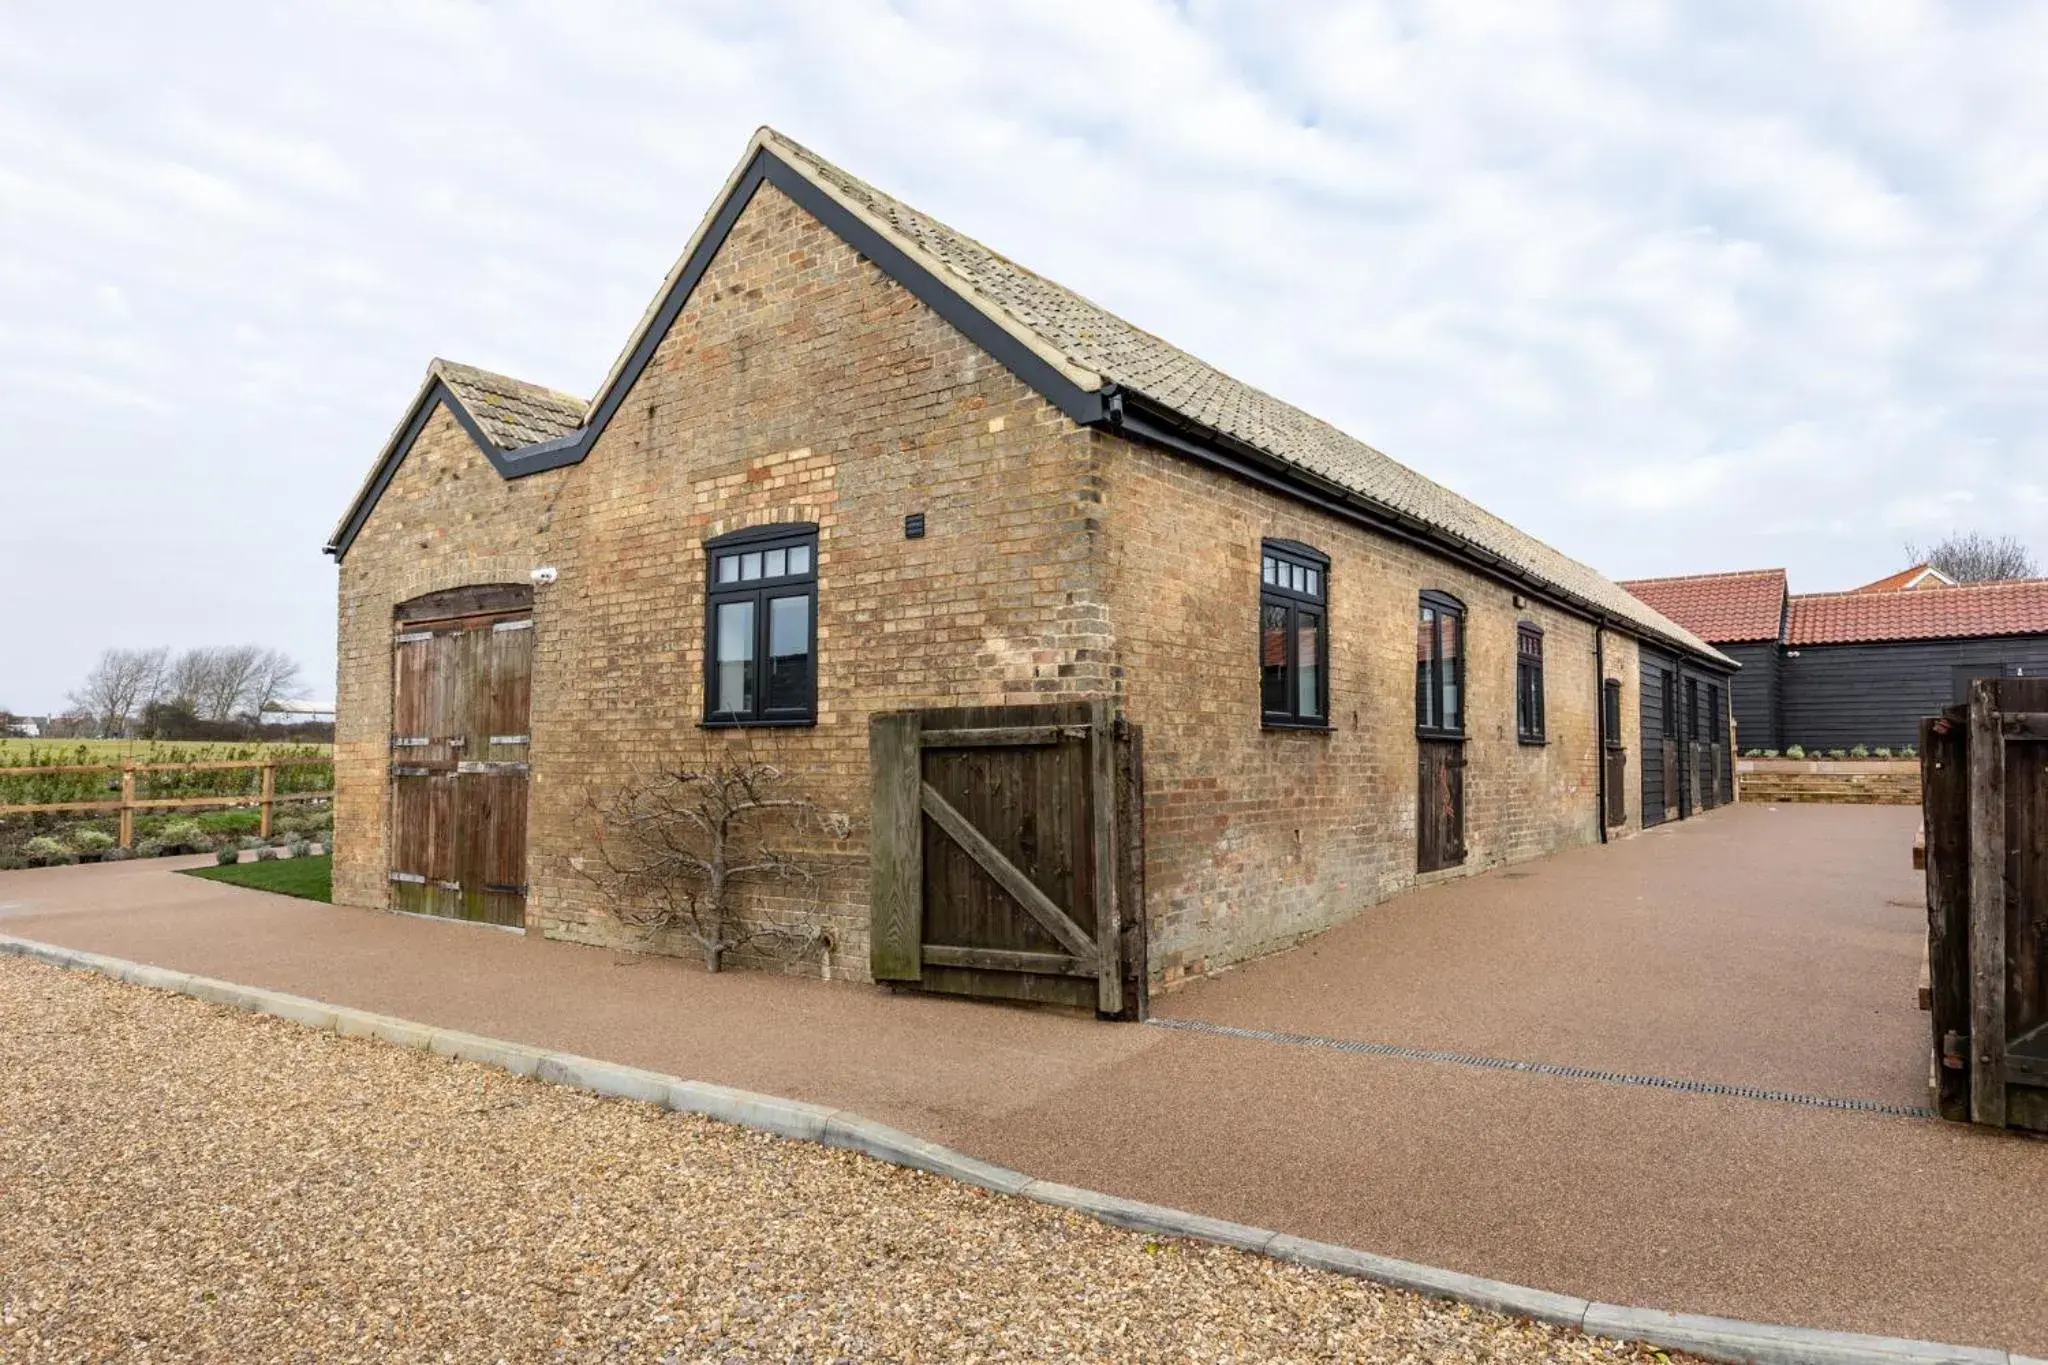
[
  {"x": 1258, "y": 836},
  {"x": 801, "y": 384},
  {"x": 1878, "y": 782}
]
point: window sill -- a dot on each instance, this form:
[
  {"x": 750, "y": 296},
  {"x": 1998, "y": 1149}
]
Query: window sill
[
  {"x": 1532, "y": 741},
  {"x": 1422, "y": 732},
  {"x": 779, "y": 723},
  {"x": 1314, "y": 727}
]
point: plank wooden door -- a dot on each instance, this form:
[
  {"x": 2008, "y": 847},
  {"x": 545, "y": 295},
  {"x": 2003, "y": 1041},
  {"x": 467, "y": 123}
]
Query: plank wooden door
[
  {"x": 1688, "y": 733},
  {"x": 1985, "y": 803},
  {"x": 1006, "y": 845},
  {"x": 1440, "y": 804},
  {"x": 462, "y": 667},
  {"x": 1616, "y": 759}
]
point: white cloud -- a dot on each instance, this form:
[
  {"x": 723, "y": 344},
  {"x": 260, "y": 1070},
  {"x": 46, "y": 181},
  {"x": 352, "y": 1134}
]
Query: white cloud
[{"x": 1676, "y": 287}]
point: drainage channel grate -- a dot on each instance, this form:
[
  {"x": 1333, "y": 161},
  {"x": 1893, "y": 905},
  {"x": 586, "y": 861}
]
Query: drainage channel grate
[{"x": 1577, "y": 1073}]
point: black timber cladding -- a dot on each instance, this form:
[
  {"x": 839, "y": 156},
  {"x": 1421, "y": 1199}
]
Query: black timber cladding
[
  {"x": 1655, "y": 667},
  {"x": 1754, "y": 692},
  {"x": 1839, "y": 696}
]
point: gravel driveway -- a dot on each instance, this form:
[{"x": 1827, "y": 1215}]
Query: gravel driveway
[{"x": 180, "y": 1181}]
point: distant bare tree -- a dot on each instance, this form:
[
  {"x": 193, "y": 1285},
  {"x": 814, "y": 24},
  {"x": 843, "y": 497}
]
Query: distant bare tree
[
  {"x": 228, "y": 672},
  {"x": 276, "y": 678},
  {"x": 189, "y": 678},
  {"x": 1973, "y": 557},
  {"x": 120, "y": 685},
  {"x": 677, "y": 846}
]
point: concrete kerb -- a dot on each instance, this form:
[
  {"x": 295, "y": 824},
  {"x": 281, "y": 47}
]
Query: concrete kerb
[{"x": 1726, "y": 1339}]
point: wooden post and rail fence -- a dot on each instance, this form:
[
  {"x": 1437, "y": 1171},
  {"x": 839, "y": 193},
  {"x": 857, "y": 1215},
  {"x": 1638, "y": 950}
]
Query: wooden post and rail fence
[{"x": 267, "y": 797}]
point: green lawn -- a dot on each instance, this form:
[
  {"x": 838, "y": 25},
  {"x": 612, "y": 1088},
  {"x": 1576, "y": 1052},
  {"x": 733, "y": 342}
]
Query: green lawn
[{"x": 307, "y": 877}]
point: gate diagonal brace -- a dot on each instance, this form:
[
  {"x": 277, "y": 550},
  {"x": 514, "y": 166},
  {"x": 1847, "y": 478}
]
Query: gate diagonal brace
[{"x": 1020, "y": 887}]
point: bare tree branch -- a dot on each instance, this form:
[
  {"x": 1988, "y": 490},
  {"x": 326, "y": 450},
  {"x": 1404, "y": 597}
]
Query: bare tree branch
[
  {"x": 1973, "y": 557},
  {"x": 681, "y": 848}
]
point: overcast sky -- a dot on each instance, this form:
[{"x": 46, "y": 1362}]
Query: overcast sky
[{"x": 1676, "y": 288}]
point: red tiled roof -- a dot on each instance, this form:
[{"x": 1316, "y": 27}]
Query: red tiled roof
[
  {"x": 1720, "y": 608},
  {"x": 1903, "y": 579},
  {"x": 2016, "y": 606}
]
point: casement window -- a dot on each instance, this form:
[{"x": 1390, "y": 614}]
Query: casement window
[
  {"x": 1529, "y": 683},
  {"x": 1440, "y": 667},
  {"x": 761, "y": 626},
  {"x": 1610, "y": 712},
  {"x": 1294, "y": 635}
]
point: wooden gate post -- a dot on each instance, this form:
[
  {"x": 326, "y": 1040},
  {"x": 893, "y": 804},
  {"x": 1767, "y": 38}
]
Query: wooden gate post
[
  {"x": 1987, "y": 906},
  {"x": 1109, "y": 977},
  {"x": 127, "y": 803},
  {"x": 1945, "y": 815},
  {"x": 896, "y": 847},
  {"x": 269, "y": 795}
]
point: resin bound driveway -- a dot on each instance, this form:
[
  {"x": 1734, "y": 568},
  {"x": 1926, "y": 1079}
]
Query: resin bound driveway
[{"x": 1415, "y": 1083}]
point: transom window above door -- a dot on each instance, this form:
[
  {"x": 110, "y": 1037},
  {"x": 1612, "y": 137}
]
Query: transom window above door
[
  {"x": 761, "y": 626},
  {"x": 1294, "y": 635}
]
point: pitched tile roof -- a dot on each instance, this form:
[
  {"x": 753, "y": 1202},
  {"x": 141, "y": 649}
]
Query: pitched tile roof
[
  {"x": 2015, "y": 607},
  {"x": 1727, "y": 608},
  {"x": 1911, "y": 578},
  {"x": 1090, "y": 348},
  {"x": 1092, "y": 343},
  {"x": 512, "y": 412}
]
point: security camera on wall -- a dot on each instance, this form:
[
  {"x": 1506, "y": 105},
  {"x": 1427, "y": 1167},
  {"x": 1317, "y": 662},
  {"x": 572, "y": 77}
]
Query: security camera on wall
[{"x": 545, "y": 574}]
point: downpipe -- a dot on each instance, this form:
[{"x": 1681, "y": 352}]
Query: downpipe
[{"x": 1600, "y": 726}]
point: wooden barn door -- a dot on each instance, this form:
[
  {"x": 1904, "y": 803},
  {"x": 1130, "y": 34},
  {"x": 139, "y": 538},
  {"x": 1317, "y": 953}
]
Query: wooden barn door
[
  {"x": 1440, "y": 804},
  {"x": 1006, "y": 847},
  {"x": 462, "y": 667}
]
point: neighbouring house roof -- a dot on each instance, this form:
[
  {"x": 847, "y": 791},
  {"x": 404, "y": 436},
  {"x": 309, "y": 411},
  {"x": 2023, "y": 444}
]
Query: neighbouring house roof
[
  {"x": 1726, "y": 608},
  {"x": 2013, "y": 607},
  {"x": 1098, "y": 368},
  {"x": 1910, "y": 580}
]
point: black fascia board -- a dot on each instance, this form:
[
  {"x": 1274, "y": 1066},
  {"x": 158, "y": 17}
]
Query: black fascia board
[
  {"x": 1133, "y": 414},
  {"x": 1084, "y": 406}
]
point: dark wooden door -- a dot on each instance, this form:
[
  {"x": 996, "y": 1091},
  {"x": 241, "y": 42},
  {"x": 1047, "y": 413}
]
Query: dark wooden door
[
  {"x": 1440, "y": 804},
  {"x": 461, "y": 688},
  {"x": 1656, "y": 760},
  {"x": 1616, "y": 759},
  {"x": 1688, "y": 731},
  {"x": 1006, "y": 842}
]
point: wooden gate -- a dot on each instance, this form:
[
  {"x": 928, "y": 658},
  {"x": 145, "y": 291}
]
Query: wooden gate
[
  {"x": 1007, "y": 854},
  {"x": 1984, "y": 775},
  {"x": 1440, "y": 804},
  {"x": 462, "y": 665}
]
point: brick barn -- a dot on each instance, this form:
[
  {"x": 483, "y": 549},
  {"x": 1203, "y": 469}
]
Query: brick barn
[{"x": 853, "y": 464}]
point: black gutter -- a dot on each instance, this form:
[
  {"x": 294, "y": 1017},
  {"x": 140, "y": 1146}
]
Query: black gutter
[{"x": 1135, "y": 415}]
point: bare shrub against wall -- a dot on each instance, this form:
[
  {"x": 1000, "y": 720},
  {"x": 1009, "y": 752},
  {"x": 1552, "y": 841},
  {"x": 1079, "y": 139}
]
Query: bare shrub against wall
[{"x": 686, "y": 847}]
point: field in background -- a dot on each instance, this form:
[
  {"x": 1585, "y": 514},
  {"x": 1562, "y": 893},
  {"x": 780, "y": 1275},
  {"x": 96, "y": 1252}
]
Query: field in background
[{"x": 43, "y": 753}]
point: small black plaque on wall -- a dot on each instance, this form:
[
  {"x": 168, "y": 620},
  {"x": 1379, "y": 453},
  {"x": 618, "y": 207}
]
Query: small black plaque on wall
[{"x": 913, "y": 526}]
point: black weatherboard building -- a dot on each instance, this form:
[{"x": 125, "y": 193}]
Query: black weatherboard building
[{"x": 1837, "y": 669}]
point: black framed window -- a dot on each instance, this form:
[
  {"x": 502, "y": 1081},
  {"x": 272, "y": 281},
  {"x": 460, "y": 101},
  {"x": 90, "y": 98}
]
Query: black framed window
[
  {"x": 1610, "y": 712},
  {"x": 1529, "y": 683},
  {"x": 761, "y": 626},
  {"x": 1294, "y": 635},
  {"x": 1692, "y": 710},
  {"x": 1440, "y": 666}
]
